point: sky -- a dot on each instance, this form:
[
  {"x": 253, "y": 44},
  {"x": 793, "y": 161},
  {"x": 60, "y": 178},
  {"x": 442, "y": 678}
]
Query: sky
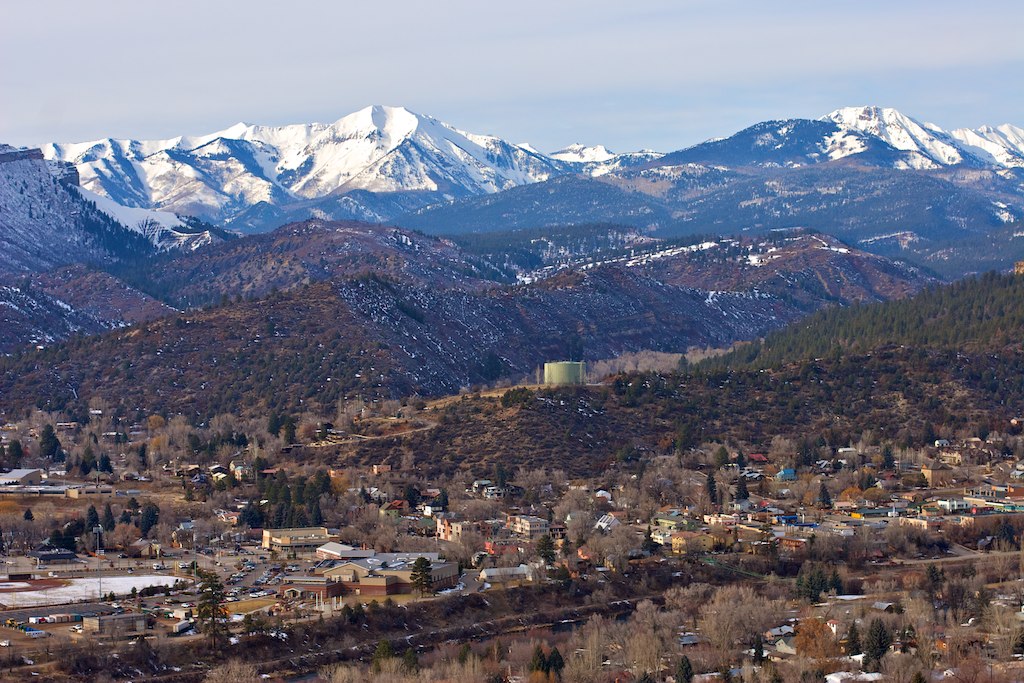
[{"x": 655, "y": 74}]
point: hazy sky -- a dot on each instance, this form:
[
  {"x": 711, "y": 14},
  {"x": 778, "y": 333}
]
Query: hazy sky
[{"x": 659, "y": 74}]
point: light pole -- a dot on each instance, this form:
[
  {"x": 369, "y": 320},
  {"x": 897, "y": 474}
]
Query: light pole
[{"x": 98, "y": 530}]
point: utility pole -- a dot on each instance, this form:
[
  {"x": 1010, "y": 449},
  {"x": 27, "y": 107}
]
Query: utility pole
[{"x": 98, "y": 531}]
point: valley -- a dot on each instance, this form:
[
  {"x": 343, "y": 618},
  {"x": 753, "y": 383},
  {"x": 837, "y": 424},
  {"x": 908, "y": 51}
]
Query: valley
[{"x": 281, "y": 390}]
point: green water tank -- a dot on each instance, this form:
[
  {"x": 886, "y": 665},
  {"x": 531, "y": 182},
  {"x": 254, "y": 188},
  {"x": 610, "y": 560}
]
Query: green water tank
[{"x": 565, "y": 372}]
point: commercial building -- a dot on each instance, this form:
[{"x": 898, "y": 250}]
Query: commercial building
[
  {"x": 391, "y": 573},
  {"x": 300, "y": 540},
  {"x": 115, "y": 625},
  {"x": 22, "y": 477}
]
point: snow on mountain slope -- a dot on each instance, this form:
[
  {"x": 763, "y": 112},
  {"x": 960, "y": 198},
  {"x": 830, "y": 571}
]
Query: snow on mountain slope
[
  {"x": 44, "y": 223},
  {"x": 930, "y": 145},
  {"x": 304, "y": 168},
  {"x": 381, "y": 162},
  {"x": 598, "y": 160},
  {"x": 999, "y": 146},
  {"x": 164, "y": 229},
  {"x": 582, "y": 154},
  {"x": 377, "y": 149}
]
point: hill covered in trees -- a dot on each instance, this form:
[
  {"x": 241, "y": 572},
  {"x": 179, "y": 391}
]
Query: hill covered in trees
[
  {"x": 906, "y": 397},
  {"x": 975, "y": 315}
]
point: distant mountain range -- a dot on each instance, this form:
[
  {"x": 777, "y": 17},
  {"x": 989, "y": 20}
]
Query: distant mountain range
[
  {"x": 370, "y": 165},
  {"x": 98, "y": 236},
  {"x": 870, "y": 175},
  {"x": 46, "y": 220}
]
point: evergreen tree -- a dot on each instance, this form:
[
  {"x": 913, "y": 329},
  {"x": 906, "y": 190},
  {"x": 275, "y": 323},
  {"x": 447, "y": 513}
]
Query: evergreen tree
[
  {"x": 288, "y": 429},
  {"x": 382, "y": 652},
  {"x": 546, "y": 549},
  {"x": 210, "y": 612},
  {"x": 684, "y": 670},
  {"x": 149, "y": 518},
  {"x": 712, "y": 489},
  {"x": 741, "y": 489},
  {"x": 758, "y": 648},
  {"x": 538, "y": 662},
  {"x": 92, "y": 518},
  {"x": 28, "y": 516},
  {"x": 824, "y": 497},
  {"x": 877, "y": 642},
  {"x": 15, "y": 453},
  {"x": 410, "y": 662},
  {"x": 104, "y": 464},
  {"x": 411, "y": 494},
  {"x": 108, "y": 518},
  {"x": 422, "y": 577},
  {"x": 887, "y": 457},
  {"x": 555, "y": 662},
  {"x": 500, "y": 475},
  {"x": 274, "y": 424},
  {"x": 812, "y": 581},
  {"x": 316, "y": 515},
  {"x": 648, "y": 545},
  {"x": 853, "y": 646},
  {"x": 49, "y": 445},
  {"x": 835, "y": 582}
]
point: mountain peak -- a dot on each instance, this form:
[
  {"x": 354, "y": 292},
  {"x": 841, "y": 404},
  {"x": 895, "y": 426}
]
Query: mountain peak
[
  {"x": 929, "y": 145},
  {"x": 390, "y": 125},
  {"x": 581, "y": 153},
  {"x": 865, "y": 117}
]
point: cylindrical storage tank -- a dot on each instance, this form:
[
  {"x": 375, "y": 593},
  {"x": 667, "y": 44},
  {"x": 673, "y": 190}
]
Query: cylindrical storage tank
[{"x": 565, "y": 373}]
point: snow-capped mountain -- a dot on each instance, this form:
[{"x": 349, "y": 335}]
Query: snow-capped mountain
[
  {"x": 582, "y": 154},
  {"x": 873, "y": 136},
  {"x": 165, "y": 230},
  {"x": 929, "y": 145},
  {"x": 47, "y": 221},
  {"x": 381, "y": 163},
  {"x": 247, "y": 171},
  {"x": 999, "y": 146}
]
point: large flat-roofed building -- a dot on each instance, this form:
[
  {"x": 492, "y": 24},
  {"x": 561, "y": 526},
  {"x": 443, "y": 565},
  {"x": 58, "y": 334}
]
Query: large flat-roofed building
[
  {"x": 391, "y": 573},
  {"x": 300, "y": 540},
  {"x": 21, "y": 477},
  {"x": 115, "y": 625}
]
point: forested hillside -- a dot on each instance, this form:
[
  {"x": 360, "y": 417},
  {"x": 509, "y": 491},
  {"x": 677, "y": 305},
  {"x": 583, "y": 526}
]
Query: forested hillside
[
  {"x": 973, "y": 315},
  {"x": 901, "y": 396}
]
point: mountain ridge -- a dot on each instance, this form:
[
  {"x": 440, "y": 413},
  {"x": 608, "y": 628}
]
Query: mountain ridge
[{"x": 380, "y": 162}]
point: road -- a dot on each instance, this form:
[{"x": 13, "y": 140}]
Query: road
[{"x": 963, "y": 558}]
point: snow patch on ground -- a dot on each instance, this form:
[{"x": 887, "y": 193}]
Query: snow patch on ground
[{"x": 84, "y": 589}]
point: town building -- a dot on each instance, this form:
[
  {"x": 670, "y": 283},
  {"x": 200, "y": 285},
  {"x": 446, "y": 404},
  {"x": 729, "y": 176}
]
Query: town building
[
  {"x": 382, "y": 574},
  {"x": 528, "y": 526},
  {"x": 22, "y": 477},
  {"x": 301, "y": 540},
  {"x": 115, "y": 625},
  {"x": 937, "y": 474}
]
